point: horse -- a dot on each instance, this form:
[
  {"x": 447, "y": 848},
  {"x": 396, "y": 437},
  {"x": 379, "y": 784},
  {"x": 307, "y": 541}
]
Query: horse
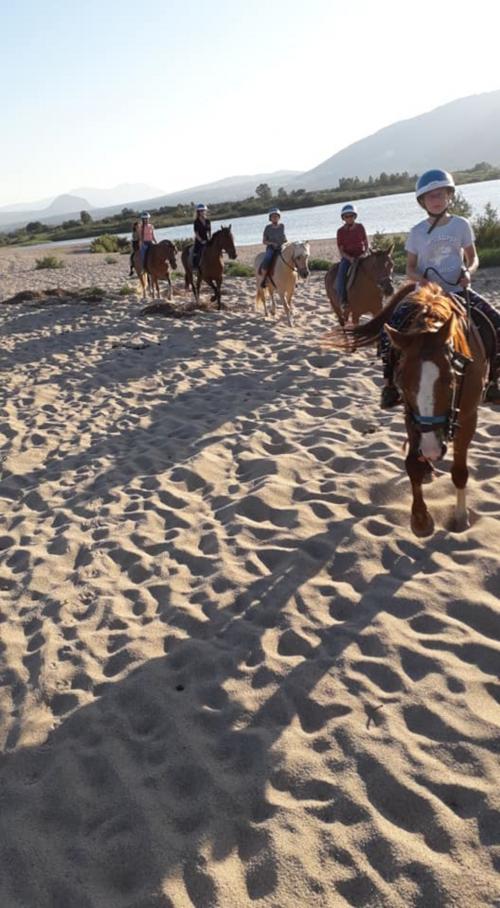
[
  {"x": 441, "y": 371},
  {"x": 211, "y": 266},
  {"x": 160, "y": 259},
  {"x": 372, "y": 282},
  {"x": 292, "y": 260}
]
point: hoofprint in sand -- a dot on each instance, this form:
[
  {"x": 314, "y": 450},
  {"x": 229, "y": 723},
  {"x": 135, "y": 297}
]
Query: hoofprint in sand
[{"x": 230, "y": 673}]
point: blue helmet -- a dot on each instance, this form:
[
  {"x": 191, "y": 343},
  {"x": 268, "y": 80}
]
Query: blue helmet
[
  {"x": 145, "y": 214},
  {"x": 274, "y": 211},
  {"x": 349, "y": 209},
  {"x": 201, "y": 207},
  {"x": 434, "y": 179}
]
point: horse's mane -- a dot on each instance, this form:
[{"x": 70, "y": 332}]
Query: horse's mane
[{"x": 430, "y": 308}]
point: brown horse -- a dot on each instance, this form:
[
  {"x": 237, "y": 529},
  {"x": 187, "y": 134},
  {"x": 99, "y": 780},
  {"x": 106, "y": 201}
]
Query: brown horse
[
  {"x": 211, "y": 264},
  {"x": 441, "y": 372},
  {"x": 373, "y": 281},
  {"x": 160, "y": 259}
]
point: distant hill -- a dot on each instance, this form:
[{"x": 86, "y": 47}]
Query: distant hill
[
  {"x": 121, "y": 195},
  {"x": 455, "y": 137},
  {"x": 230, "y": 188},
  {"x": 64, "y": 203}
]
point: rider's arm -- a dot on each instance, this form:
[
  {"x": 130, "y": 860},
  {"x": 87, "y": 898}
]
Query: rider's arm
[
  {"x": 470, "y": 258},
  {"x": 365, "y": 240},
  {"x": 411, "y": 269}
]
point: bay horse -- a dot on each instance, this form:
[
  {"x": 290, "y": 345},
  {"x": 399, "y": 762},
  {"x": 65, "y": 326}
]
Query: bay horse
[
  {"x": 372, "y": 282},
  {"x": 293, "y": 260},
  {"x": 211, "y": 264},
  {"x": 441, "y": 371},
  {"x": 160, "y": 259}
]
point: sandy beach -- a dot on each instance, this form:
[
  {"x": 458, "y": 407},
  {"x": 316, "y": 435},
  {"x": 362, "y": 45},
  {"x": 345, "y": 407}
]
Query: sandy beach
[{"x": 230, "y": 673}]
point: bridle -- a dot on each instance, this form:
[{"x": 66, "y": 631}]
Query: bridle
[
  {"x": 449, "y": 421},
  {"x": 293, "y": 267}
]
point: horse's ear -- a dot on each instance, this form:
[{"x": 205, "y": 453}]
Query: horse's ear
[
  {"x": 397, "y": 339},
  {"x": 444, "y": 332}
]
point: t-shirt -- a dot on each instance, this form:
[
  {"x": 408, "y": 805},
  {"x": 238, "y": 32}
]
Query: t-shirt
[
  {"x": 274, "y": 235},
  {"x": 441, "y": 249},
  {"x": 353, "y": 239},
  {"x": 203, "y": 229},
  {"x": 147, "y": 233}
]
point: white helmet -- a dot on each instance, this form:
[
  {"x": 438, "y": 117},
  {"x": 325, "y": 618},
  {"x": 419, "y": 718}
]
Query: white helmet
[
  {"x": 145, "y": 215},
  {"x": 434, "y": 179},
  {"x": 274, "y": 211},
  {"x": 349, "y": 209},
  {"x": 201, "y": 207}
]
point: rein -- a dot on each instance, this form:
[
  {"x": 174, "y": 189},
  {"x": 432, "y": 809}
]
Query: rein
[{"x": 291, "y": 267}]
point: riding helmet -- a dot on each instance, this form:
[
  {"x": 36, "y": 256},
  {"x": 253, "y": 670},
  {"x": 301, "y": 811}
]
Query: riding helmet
[
  {"x": 434, "y": 179},
  {"x": 349, "y": 209},
  {"x": 274, "y": 211}
]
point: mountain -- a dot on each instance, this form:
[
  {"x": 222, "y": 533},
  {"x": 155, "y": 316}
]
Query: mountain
[
  {"x": 120, "y": 195},
  {"x": 454, "y": 136},
  {"x": 229, "y": 189},
  {"x": 64, "y": 204}
]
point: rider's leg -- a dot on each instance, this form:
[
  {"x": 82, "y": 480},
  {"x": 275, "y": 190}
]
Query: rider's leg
[
  {"x": 265, "y": 265},
  {"x": 340, "y": 280},
  {"x": 478, "y": 302}
]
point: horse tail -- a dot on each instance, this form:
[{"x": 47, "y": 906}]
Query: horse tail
[{"x": 354, "y": 337}]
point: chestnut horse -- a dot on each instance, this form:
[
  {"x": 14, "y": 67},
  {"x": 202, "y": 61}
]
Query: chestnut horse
[
  {"x": 293, "y": 260},
  {"x": 372, "y": 281},
  {"x": 211, "y": 264},
  {"x": 441, "y": 371},
  {"x": 160, "y": 259}
]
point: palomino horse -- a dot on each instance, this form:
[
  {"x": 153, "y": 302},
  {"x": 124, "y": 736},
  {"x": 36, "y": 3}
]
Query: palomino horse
[
  {"x": 161, "y": 258},
  {"x": 293, "y": 260},
  {"x": 373, "y": 281},
  {"x": 211, "y": 264},
  {"x": 441, "y": 372}
]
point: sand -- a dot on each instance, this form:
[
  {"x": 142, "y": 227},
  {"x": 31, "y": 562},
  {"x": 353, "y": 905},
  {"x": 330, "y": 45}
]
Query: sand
[{"x": 231, "y": 675}]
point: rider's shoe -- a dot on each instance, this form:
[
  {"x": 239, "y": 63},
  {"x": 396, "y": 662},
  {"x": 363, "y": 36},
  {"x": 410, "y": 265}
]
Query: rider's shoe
[
  {"x": 492, "y": 394},
  {"x": 390, "y": 397}
]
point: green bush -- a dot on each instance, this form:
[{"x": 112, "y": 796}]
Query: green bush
[
  {"x": 460, "y": 206},
  {"x": 489, "y": 258},
  {"x": 319, "y": 265},
  {"x": 487, "y": 228},
  {"x": 105, "y": 243},
  {"x": 183, "y": 243},
  {"x": 49, "y": 261},
  {"x": 238, "y": 269},
  {"x": 110, "y": 260},
  {"x": 126, "y": 290}
]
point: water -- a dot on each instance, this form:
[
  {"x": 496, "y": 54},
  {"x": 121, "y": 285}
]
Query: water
[{"x": 389, "y": 214}]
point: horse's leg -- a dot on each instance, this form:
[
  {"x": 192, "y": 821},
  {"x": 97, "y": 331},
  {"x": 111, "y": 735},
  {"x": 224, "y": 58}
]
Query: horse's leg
[
  {"x": 169, "y": 282},
  {"x": 459, "y": 471},
  {"x": 143, "y": 285},
  {"x": 422, "y": 523},
  {"x": 220, "y": 304}
]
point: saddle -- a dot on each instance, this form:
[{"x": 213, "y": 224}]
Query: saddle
[{"x": 351, "y": 274}]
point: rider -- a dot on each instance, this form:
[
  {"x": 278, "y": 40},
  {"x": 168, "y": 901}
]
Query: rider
[
  {"x": 202, "y": 233},
  {"x": 146, "y": 236},
  {"x": 352, "y": 243},
  {"x": 440, "y": 249},
  {"x": 135, "y": 242},
  {"x": 273, "y": 239}
]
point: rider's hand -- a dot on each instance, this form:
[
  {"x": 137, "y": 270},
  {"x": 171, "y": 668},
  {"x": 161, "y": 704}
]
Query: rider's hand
[{"x": 465, "y": 280}]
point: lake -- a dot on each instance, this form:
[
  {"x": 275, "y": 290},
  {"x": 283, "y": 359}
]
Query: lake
[{"x": 389, "y": 214}]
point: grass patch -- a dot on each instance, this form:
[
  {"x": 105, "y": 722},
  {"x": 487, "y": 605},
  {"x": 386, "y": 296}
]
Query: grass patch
[
  {"x": 126, "y": 290},
  {"x": 489, "y": 258},
  {"x": 110, "y": 260},
  {"x": 319, "y": 265},
  {"x": 109, "y": 243},
  {"x": 238, "y": 269},
  {"x": 49, "y": 261},
  {"x": 92, "y": 294}
]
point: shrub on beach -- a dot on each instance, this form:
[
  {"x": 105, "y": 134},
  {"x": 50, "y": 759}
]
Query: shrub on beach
[
  {"x": 109, "y": 243},
  {"x": 487, "y": 228},
  {"x": 126, "y": 290},
  {"x": 110, "y": 260},
  {"x": 183, "y": 243},
  {"x": 49, "y": 261},
  {"x": 238, "y": 269},
  {"x": 489, "y": 258},
  {"x": 319, "y": 265}
]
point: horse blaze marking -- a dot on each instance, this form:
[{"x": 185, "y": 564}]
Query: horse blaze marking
[{"x": 430, "y": 446}]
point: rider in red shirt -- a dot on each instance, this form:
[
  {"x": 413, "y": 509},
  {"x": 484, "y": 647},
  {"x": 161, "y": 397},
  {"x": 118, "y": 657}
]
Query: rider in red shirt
[{"x": 352, "y": 243}]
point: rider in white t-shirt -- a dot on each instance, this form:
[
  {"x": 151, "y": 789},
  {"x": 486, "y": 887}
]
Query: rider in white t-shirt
[{"x": 441, "y": 250}]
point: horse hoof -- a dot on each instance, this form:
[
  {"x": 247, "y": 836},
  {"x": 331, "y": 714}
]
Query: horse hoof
[{"x": 422, "y": 525}]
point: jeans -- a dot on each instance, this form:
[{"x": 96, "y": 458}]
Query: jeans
[
  {"x": 269, "y": 254},
  {"x": 144, "y": 251},
  {"x": 341, "y": 278}
]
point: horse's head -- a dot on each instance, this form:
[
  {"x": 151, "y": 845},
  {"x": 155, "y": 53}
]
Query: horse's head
[
  {"x": 171, "y": 259},
  {"x": 425, "y": 371},
  {"x": 301, "y": 253},
  {"x": 380, "y": 266},
  {"x": 227, "y": 242}
]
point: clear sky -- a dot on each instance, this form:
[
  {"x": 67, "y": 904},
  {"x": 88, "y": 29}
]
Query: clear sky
[{"x": 180, "y": 92}]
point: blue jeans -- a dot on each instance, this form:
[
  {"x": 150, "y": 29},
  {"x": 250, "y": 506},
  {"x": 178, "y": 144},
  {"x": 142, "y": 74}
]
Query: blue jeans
[
  {"x": 268, "y": 257},
  {"x": 144, "y": 251},
  {"x": 341, "y": 277}
]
